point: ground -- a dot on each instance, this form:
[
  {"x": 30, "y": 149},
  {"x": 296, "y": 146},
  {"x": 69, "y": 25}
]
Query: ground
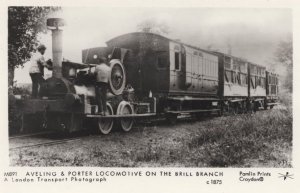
[{"x": 263, "y": 139}]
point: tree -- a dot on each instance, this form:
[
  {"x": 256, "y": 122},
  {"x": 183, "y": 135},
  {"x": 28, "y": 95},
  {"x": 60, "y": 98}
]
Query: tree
[
  {"x": 24, "y": 24},
  {"x": 284, "y": 53},
  {"x": 152, "y": 26},
  {"x": 284, "y": 56}
]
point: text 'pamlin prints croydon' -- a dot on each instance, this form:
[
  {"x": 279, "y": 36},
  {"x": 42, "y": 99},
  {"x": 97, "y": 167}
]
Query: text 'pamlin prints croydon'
[{"x": 253, "y": 176}]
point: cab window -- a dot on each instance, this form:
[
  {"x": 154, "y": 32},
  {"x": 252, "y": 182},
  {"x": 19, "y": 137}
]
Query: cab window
[{"x": 162, "y": 60}]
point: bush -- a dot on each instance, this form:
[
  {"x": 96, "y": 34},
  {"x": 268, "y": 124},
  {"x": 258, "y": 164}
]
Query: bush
[
  {"x": 14, "y": 115},
  {"x": 242, "y": 137},
  {"x": 285, "y": 98}
]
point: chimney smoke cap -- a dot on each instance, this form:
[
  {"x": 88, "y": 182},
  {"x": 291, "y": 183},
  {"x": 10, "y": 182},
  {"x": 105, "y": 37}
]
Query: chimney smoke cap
[{"x": 55, "y": 23}]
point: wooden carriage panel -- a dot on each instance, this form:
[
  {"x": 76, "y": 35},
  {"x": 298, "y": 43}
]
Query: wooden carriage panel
[
  {"x": 192, "y": 71},
  {"x": 257, "y": 80},
  {"x": 271, "y": 84},
  {"x": 233, "y": 75}
]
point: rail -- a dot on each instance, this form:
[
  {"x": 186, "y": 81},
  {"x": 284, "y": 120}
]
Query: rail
[{"x": 54, "y": 142}]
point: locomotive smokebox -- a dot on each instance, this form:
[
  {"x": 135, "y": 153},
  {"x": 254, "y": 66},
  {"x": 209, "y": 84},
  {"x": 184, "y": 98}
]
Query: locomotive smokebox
[{"x": 55, "y": 24}]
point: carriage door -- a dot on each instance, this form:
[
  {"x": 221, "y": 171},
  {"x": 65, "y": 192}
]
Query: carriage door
[
  {"x": 177, "y": 67},
  {"x": 188, "y": 67}
]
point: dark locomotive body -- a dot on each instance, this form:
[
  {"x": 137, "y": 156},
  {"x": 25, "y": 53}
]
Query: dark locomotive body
[
  {"x": 151, "y": 76},
  {"x": 166, "y": 67}
]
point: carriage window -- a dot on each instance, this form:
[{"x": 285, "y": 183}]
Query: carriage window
[
  {"x": 258, "y": 81},
  {"x": 253, "y": 69},
  {"x": 258, "y": 71},
  {"x": 243, "y": 79},
  {"x": 227, "y": 62},
  {"x": 243, "y": 68},
  {"x": 234, "y": 67},
  {"x": 238, "y": 77},
  {"x": 253, "y": 81},
  {"x": 262, "y": 82},
  {"x": 272, "y": 80},
  {"x": 233, "y": 77},
  {"x": 177, "y": 64},
  {"x": 162, "y": 62},
  {"x": 228, "y": 76}
]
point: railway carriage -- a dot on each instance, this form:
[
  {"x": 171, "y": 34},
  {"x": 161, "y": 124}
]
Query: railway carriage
[
  {"x": 257, "y": 80},
  {"x": 151, "y": 75},
  {"x": 271, "y": 89},
  {"x": 233, "y": 85},
  {"x": 257, "y": 85}
]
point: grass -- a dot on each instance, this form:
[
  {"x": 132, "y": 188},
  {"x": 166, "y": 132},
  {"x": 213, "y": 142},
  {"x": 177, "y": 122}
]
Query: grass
[
  {"x": 230, "y": 142},
  {"x": 242, "y": 138},
  {"x": 263, "y": 139}
]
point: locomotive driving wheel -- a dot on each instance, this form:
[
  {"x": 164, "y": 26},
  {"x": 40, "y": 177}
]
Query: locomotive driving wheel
[
  {"x": 105, "y": 124},
  {"x": 117, "y": 78},
  {"x": 124, "y": 108}
]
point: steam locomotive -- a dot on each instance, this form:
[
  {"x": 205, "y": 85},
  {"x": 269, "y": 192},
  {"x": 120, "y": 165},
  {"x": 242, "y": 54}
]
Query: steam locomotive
[{"x": 151, "y": 76}]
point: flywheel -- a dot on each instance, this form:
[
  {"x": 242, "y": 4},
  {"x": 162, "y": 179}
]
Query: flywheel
[{"x": 117, "y": 78}]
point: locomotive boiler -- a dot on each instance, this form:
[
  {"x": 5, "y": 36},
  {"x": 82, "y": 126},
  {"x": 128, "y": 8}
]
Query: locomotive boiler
[
  {"x": 67, "y": 99},
  {"x": 151, "y": 75}
]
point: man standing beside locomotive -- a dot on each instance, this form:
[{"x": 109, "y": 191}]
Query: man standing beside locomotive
[
  {"x": 36, "y": 70},
  {"x": 102, "y": 72}
]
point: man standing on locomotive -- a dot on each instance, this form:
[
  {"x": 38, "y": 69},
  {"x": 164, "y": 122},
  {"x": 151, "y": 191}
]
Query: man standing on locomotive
[
  {"x": 102, "y": 72},
  {"x": 36, "y": 70}
]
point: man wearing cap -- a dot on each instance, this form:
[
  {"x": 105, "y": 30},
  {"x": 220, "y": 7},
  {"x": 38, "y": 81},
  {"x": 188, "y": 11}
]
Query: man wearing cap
[
  {"x": 36, "y": 70},
  {"x": 102, "y": 72}
]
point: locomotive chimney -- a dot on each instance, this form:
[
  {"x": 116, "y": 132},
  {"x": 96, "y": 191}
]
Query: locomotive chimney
[{"x": 54, "y": 25}]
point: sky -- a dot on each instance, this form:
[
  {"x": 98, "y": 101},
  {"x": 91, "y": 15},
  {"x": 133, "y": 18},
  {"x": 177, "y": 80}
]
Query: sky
[{"x": 251, "y": 33}]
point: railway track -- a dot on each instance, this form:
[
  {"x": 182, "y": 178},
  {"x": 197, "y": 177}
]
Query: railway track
[
  {"x": 48, "y": 143},
  {"x": 31, "y": 135},
  {"x": 35, "y": 140},
  {"x": 68, "y": 140}
]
